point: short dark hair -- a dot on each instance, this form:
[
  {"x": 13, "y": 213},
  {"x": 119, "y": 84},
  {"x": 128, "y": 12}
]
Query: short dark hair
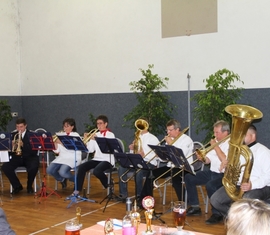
[
  {"x": 71, "y": 122},
  {"x": 21, "y": 121},
  {"x": 103, "y": 118}
]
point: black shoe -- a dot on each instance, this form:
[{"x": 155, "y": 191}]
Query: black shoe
[
  {"x": 17, "y": 189},
  {"x": 30, "y": 190},
  {"x": 121, "y": 198},
  {"x": 194, "y": 211},
  {"x": 214, "y": 219},
  {"x": 64, "y": 184}
]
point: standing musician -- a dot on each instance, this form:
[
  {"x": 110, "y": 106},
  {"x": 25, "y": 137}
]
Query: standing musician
[
  {"x": 145, "y": 138},
  {"x": 212, "y": 178},
  {"x": 258, "y": 186},
  {"x": 179, "y": 140},
  {"x": 101, "y": 161},
  {"x": 22, "y": 155},
  {"x": 60, "y": 167}
]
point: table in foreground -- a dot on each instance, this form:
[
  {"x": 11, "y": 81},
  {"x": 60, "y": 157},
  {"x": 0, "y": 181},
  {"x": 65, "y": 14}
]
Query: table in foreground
[{"x": 99, "y": 230}]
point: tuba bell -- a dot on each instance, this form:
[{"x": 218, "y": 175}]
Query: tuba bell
[
  {"x": 140, "y": 125},
  {"x": 242, "y": 116}
]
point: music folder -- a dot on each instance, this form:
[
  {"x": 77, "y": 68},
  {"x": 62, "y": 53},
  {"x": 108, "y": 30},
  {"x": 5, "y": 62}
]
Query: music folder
[
  {"x": 72, "y": 142},
  {"x": 123, "y": 160},
  {"x": 131, "y": 160},
  {"x": 161, "y": 151},
  {"x": 179, "y": 159},
  {"x": 108, "y": 145},
  {"x": 5, "y": 141},
  {"x": 41, "y": 141}
]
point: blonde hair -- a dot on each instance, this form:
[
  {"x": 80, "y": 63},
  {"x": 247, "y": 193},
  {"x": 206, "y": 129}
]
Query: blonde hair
[{"x": 248, "y": 217}]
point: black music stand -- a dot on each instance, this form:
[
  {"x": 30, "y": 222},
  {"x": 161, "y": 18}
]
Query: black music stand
[
  {"x": 109, "y": 146},
  {"x": 132, "y": 161},
  {"x": 5, "y": 141},
  {"x": 43, "y": 142},
  {"x": 74, "y": 143}
]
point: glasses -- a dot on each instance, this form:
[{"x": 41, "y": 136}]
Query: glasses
[
  {"x": 100, "y": 123},
  {"x": 169, "y": 130}
]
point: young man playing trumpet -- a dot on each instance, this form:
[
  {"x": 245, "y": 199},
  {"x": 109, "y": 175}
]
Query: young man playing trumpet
[
  {"x": 180, "y": 140},
  {"x": 22, "y": 155},
  {"x": 211, "y": 178}
]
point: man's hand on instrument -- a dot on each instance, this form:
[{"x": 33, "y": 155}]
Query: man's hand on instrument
[{"x": 246, "y": 186}]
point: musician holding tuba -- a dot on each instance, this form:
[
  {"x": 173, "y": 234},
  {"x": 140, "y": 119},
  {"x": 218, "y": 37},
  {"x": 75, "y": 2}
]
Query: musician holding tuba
[
  {"x": 60, "y": 167},
  {"x": 258, "y": 185},
  {"x": 212, "y": 177},
  {"x": 180, "y": 140},
  {"x": 101, "y": 161},
  {"x": 140, "y": 146},
  {"x": 21, "y": 155}
]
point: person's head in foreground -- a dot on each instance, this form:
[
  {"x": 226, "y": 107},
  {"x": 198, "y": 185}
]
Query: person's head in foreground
[{"x": 248, "y": 217}]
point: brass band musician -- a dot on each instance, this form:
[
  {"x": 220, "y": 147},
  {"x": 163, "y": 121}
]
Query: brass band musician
[
  {"x": 212, "y": 178},
  {"x": 101, "y": 161},
  {"x": 60, "y": 167},
  {"x": 145, "y": 138},
  {"x": 179, "y": 140},
  {"x": 258, "y": 186},
  {"x": 23, "y": 155}
]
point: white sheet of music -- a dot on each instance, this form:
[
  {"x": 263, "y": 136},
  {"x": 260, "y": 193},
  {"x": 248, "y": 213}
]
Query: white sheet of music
[{"x": 4, "y": 157}]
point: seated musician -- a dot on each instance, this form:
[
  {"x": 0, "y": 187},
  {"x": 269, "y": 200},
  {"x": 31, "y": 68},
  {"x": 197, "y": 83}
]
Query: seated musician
[
  {"x": 179, "y": 140},
  {"x": 258, "y": 186},
  {"x": 22, "y": 155},
  {"x": 100, "y": 162},
  {"x": 212, "y": 178},
  {"x": 141, "y": 147},
  {"x": 60, "y": 167}
]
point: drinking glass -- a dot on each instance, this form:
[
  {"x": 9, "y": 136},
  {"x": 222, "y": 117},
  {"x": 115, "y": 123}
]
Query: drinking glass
[
  {"x": 161, "y": 229},
  {"x": 179, "y": 214},
  {"x": 72, "y": 227}
]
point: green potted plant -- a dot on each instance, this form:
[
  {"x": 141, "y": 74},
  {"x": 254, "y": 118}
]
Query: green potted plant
[
  {"x": 5, "y": 115},
  {"x": 210, "y": 104},
  {"x": 152, "y": 104}
]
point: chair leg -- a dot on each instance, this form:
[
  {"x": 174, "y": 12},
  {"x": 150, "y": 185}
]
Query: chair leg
[
  {"x": 164, "y": 195},
  {"x": 88, "y": 182}
]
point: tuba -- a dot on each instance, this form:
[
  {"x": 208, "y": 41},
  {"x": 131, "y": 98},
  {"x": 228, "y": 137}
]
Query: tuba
[
  {"x": 242, "y": 116},
  {"x": 140, "y": 125}
]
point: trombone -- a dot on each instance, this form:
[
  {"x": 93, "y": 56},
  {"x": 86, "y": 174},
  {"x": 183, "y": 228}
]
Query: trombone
[
  {"x": 201, "y": 152},
  {"x": 135, "y": 172}
]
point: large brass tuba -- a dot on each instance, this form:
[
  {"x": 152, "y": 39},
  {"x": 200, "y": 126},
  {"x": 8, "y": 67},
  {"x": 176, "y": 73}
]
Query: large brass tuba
[
  {"x": 242, "y": 116},
  {"x": 140, "y": 125}
]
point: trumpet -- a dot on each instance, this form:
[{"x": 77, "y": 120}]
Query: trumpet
[
  {"x": 17, "y": 144},
  {"x": 201, "y": 152},
  {"x": 89, "y": 135},
  {"x": 55, "y": 137},
  {"x": 127, "y": 171}
]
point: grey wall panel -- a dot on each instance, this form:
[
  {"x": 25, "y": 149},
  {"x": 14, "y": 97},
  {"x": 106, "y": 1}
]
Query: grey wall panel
[{"x": 49, "y": 111}]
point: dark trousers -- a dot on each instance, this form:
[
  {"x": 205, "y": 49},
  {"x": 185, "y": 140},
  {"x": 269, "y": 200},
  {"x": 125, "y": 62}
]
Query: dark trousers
[
  {"x": 211, "y": 180},
  {"x": 99, "y": 168},
  {"x": 176, "y": 182},
  {"x": 30, "y": 163}
]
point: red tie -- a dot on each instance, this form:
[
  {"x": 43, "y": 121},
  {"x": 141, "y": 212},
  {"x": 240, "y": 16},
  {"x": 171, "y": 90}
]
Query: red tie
[{"x": 68, "y": 133}]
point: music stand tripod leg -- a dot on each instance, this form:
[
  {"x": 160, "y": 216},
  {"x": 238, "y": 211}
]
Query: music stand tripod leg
[
  {"x": 43, "y": 191},
  {"x": 111, "y": 194}
]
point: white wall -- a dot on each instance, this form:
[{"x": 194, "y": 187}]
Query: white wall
[
  {"x": 90, "y": 46},
  {"x": 9, "y": 49}
]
